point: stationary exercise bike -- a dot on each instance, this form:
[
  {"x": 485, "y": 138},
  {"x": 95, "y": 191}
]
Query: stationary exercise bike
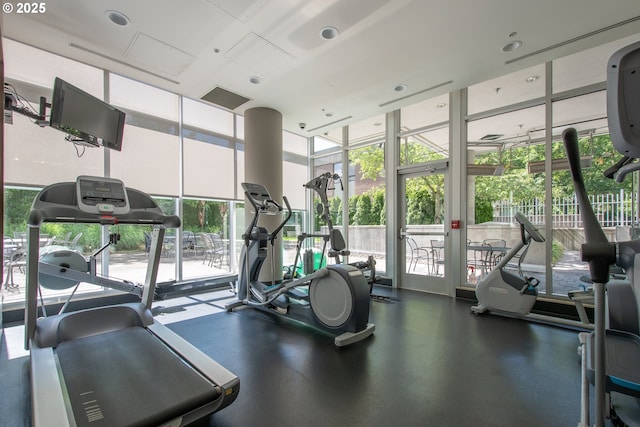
[
  {"x": 334, "y": 299},
  {"x": 504, "y": 291}
]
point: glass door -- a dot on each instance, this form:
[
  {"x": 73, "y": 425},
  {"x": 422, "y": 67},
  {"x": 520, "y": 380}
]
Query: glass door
[{"x": 424, "y": 238}]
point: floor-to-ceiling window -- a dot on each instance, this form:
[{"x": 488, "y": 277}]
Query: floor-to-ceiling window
[
  {"x": 187, "y": 154},
  {"x": 364, "y": 177},
  {"x": 517, "y": 163}
]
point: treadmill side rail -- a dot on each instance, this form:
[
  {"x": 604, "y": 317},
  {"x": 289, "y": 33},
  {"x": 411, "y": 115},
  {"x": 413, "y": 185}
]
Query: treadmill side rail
[
  {"x": 47, "y": 397},
  {"x": 216, "y": 373}
]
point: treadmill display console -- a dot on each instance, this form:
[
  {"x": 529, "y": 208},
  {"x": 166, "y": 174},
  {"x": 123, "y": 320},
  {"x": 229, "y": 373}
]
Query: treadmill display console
[{"x": 98, "y": 195}]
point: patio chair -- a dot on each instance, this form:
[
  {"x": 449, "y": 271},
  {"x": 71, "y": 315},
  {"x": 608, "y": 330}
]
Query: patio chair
[
  {"x": 418, "y": 254},
  {"x": 479, "y": 257},
  {"x": 437, "y": 253},
  {"x": 498, "y": 250},
  {"x": 207, "y": 247},
  {"x": 219, "y": 249}
]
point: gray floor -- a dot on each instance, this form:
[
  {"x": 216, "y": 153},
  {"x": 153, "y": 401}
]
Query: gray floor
[{"x": 430, "y": 363}]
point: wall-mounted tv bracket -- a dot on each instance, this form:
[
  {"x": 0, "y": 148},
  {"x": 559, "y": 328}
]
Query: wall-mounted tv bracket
[{"x": 11, "y": 105}]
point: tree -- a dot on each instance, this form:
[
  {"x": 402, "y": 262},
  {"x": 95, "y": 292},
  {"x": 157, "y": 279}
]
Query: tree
[
  {"x": 518, "y": 185},
  {"x": 378, "y": 208},
  {"x": 363, "y": 211},
  {"x": 353, "y": 205},
  {"x": 371, "y": 164}
]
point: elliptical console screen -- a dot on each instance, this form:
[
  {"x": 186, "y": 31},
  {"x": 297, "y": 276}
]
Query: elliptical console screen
[{"x": 102, "y": 196}]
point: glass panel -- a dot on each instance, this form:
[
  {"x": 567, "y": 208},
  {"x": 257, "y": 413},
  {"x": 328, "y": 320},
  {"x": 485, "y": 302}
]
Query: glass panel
[
  {"x": 35, "y": 66},
  {"x": 586, "y": 67},
  {"x": 37, "y": 155},
  {"x": 499, "y": 185},
  {"x": 133, "y": 95},
  {"x": 516, "y": 87},
  {"x": 294, "y": 176},
  {"x": 208, "y": 166},
  {"x": 239, "y": 127},
  {"x": 141, "y": 167},
  {"x": 613, "y": 202},
  {"x": 429, "y": 145},
  {"x": 367, "y": 130},
  {"x": 41, "y": 156},
  {"x": 203, "y": 116},
  {"x": 321, "y": 144},
  {"x": 584, "y": 113},
  {"x": 425, "y": 214},
  {"x": 206, "y": 247},
  {"x": 290, "y": 233},
  {"x": 500, "y": 132},
  {"x": 425, "y": 113},
  {"x": 240, "y": 173},
  {"x": 293, "y": 143},
  {"x": 367, "y": 215}
]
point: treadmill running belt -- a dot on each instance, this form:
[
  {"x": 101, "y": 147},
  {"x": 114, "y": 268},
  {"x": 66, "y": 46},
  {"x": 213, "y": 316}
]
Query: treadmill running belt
[{"x": 129, "y": 378}]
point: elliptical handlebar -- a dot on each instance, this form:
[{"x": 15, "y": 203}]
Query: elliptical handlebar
[
  {"x": 284, "y": 222},
  {"x": 262, "y": 203},
  {"x": 597, "y": 250}
]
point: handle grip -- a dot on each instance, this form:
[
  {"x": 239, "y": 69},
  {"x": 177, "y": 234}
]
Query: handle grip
[{"x": 597, "y": 250}]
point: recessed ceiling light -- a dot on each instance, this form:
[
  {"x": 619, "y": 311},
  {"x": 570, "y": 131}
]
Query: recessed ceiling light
[
  {"x": 255, "y": 80},
  {"x": 377, "y": 124},
  {"x": 328, "y": 115},
  {"x": 117, "y": 18},
  {"x": 511, "y": 46},
  {"x": 329, "y": 33},
  {"x": 400, "y": 88},
  {"x": 532, "y": 79}
]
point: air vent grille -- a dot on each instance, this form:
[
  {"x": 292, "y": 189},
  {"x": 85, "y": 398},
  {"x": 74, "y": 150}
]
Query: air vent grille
[{"x": 225, "y": 98}]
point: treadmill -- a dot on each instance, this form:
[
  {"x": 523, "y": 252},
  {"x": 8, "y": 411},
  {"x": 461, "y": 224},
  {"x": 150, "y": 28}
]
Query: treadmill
[{"x": 113, "y": 365}]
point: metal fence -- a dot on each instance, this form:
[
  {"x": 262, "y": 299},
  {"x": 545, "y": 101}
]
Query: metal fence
[{"x": 612, "y": 210}]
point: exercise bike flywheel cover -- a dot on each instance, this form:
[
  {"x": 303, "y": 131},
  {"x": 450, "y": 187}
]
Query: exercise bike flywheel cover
[
  {"x": 331, "y": 300},
  {"x": 66, "y": 260}
]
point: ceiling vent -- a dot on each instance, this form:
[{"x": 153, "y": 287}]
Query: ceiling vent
[
  {"x": 491, "y": 137},
  {"x": 225, "y": 98}
]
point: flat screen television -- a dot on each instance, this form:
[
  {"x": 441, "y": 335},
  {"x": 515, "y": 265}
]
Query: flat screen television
[{"x": 86, "y": 117}]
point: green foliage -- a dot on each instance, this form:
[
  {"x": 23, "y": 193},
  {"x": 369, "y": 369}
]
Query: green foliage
[
  {"x": 363, "y": 215},
  {"x": 203, "y": 216},
  {"x": 557, "y": 250},
  {"x": 378, "y": 210},
  {"x": 420, "y": 206},
  {"x": 353, "y": 205},
  {"x": 335, "y": 204},
  {"x": 370, "y": 159},
  {"x": 518, "y": 185},
  {"x": 15, "y": 219},
  {"x": 483, "y": 211}
]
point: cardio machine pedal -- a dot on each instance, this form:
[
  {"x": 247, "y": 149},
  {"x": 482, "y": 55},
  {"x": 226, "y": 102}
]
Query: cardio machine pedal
[
  {"x": 300, "y": 294},
  {"x": 281, "y": 304}
]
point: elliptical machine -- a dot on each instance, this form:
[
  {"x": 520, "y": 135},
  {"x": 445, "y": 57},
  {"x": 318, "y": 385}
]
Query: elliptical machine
[
  {"x": 334, "y": 299},
  {"x": 504, "y": 291},
  {"x": 335, "y": 239}
]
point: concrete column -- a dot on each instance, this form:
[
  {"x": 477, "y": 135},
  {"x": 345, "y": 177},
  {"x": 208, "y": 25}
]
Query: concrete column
[{"x": 263, "y": 165}]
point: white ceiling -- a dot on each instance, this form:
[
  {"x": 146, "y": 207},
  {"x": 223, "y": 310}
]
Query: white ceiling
[{"x": 432, "y": 47}]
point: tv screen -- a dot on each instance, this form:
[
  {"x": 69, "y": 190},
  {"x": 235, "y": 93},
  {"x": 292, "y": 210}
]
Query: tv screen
[{"x": 86, "y": 117}]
